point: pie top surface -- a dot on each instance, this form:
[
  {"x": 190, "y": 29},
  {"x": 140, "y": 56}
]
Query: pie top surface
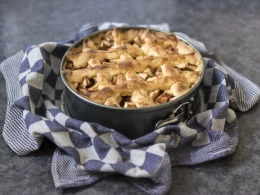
[{"x": 132, "y": 68}]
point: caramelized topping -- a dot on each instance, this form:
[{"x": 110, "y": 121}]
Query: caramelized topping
[{"x": 132, "y": 68}]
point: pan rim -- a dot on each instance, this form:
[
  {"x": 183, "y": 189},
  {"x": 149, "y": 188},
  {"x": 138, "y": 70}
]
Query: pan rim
[{"x": 121, "y": 109}]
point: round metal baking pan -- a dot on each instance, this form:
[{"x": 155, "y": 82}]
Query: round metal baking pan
[{"x": 131, "y": 122}]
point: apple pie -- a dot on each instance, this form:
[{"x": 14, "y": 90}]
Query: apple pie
[{"x": 132, "y": 68}]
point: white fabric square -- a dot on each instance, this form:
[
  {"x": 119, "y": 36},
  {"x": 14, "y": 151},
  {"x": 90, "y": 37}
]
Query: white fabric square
[
  {"x": 107, "y": 137},
  {"x": 88, "y": 153},
  {"x": 136, "y": 172},
  {"x": 38, "y": 128},
  {"x": 35, "y": 79},
  {"x": 34, "y": 55},
  {"x": 48, "y": 90},
  {"x": 88, "y": 130},
  {"x": 177, "y": 140},
  {"x": 104, "y": 26},
  {"x": 25, "y": 90},
  {"x": 163, "y": 138},
  {"x": 62, "y": 139},
  {"x": 219, "y": 104},
  {"x": 218, "y": 124},
  {"x": 58, "y": 103},
  {"x": 25, "y": 73},
  {"x": 48, "y": 46},
  {"x": 55, "y": 64},
  {"x": 112, "y": 157},
  {"x": 47, "y": 70},
  {"x": 132, "y": 145},
  {"x": 223, "y": 82},
  {"x": 186, "y": 131},
  {"x": 214, "y": 93},
  {"x": 157, "y": 149},
  {"x": 59, "y": 84},
  {"x": 207, "y": 81},
  {"x": 202, "y": 139},
  {"x": 204, "y": 117},
  {"x": 106, "y": 168},
  {"x": 137, "y": 157},
  {"x": 49, "y": 115},
  {"x": 49, "y": 105},
  {"x": 61, "y": 118},
  {"x": 231, "y": 115}
]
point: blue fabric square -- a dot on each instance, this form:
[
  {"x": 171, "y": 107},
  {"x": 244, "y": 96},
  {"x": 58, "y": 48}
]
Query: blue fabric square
[
  {"x": 147, "y": 140},
  {"x": 222, "y": 94},
  {"x": 24, "y": 65},
  {"x": 54, "y": 111},
  {"x": 55, "y": 127},
  {"x": 58, "y": 93},
  {"x": 217, "y": 77},
  {"x": 93, "y": 165},
  {"x": 38, "y": 67},
  {"x": 31, "y": 119},
  {"x": 80, "y": 140},
  {"x": 73, "y": 153},
  {"x": 73, "y": 123},
  {"x": 24, "y": 103},
  {"x": 45, "y": 55},
  {"x": 221, "y": 112},
  {"x": 101, "y": 147},
  {"x": 59, "y": 50},
  {"x": 51, "y": 79},
  {"x": 35, "y": 94},
  {"x": 148, "y": 166},
  {"x": 122, "y": 167}
]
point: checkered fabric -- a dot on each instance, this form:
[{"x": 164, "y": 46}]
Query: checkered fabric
[{"x": 87, "y": 152}]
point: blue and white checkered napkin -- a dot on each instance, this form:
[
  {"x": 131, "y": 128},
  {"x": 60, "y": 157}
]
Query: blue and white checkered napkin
[{"x": 87, "y": 152}]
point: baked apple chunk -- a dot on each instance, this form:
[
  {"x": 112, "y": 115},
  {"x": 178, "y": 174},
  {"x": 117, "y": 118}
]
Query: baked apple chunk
[{"x": 132, "y": 68}]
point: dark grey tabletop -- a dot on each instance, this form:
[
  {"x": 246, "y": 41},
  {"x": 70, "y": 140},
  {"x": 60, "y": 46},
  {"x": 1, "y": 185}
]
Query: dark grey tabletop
[{"x": 230, "y": 28}]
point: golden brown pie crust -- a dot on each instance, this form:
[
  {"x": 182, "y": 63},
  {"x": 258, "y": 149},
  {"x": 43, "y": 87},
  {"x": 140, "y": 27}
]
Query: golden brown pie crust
[{"x": 132, "y": 68}]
